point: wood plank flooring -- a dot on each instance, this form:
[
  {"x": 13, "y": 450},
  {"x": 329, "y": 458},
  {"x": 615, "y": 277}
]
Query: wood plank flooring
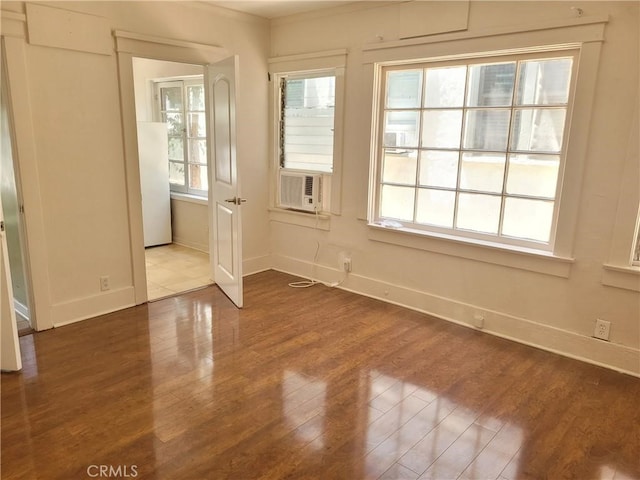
[{"x": 311, "y": 383}]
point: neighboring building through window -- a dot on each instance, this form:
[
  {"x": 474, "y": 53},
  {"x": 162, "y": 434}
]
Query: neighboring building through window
[
  {"x": 307, "y": 112},
  {"x": 181, "y": 105},
  {"x": 475, "y": 148}
]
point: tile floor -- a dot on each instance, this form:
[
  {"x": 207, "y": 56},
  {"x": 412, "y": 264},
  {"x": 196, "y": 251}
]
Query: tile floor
[{"x": 173, "y": 269}]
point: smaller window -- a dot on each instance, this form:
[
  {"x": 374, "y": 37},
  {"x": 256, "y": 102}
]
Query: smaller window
[
  {"x": 307, "y": 112},
  {"x": 181, "y": 106}
]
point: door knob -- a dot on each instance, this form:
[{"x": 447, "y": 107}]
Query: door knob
[{"x": 236, "y": 200}]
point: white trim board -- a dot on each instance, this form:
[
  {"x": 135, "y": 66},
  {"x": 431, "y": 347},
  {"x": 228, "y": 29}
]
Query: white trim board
[
  {"x": 563, "y": 342},
  {"x": 254, "y": 265},
  {"x": 92, "y": 306}
]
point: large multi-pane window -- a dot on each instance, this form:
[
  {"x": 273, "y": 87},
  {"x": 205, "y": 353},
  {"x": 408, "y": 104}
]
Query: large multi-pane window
[
  {"x": 182, "y": 108},
  {"x": 307, "y": 111},
  {"x": 476, "y": 147}
]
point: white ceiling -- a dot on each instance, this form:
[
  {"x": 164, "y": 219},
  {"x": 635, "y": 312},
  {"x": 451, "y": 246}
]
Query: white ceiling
[{"x": 277, "y": 8}]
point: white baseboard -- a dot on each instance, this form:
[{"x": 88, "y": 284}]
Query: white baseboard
[
  {"x": 256, "y": 265},
  {"x": 201, "y": 247},
  {"x": 570, "y": 344},
  {"x": 92, "y": 306}
]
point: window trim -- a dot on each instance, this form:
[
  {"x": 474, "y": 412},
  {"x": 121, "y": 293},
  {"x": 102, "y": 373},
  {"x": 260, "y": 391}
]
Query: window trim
[
  {"x": 621, "y": 271},
  {"x": 585, "y": 33},
  {"x": 477, "y": 58},
  {"x": 333, "y": 62}
]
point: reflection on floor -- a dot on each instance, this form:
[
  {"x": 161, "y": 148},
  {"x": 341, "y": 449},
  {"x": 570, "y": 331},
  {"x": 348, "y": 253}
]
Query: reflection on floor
[
  {"x": 305, "y": 384},
  {"x": 174, "y": 269}
]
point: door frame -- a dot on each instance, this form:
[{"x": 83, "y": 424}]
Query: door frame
[
  {"x": 129, "y": 45},
  {"x": 36, "y": 257}
]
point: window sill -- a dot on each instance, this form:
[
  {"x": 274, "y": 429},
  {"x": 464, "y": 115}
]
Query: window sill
[
  {"x": 185, "y": 197},
  {"x": 626, "y": 277},
  {"x": 320, "y": 221},
  {"x": 538, "y": 261}
]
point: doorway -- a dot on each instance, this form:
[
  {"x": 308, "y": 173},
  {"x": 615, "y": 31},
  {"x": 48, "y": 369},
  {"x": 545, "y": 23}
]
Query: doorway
[{"x": 172, "y": 142}]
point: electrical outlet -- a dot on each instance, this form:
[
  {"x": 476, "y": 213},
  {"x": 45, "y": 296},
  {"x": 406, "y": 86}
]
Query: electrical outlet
[
  {"x": 346, "y": 264},
  {"x": 478, "y": 320},
  {"x": 602, "y": 329},
  {"x": 104, "y": 283}
]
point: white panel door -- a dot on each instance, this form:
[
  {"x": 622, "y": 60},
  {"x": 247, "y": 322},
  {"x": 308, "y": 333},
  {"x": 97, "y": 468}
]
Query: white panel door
[{"x": 224, "y": 194}]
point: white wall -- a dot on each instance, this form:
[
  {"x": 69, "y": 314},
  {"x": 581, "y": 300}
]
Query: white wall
[
  {"x": 553, "y": 312},
  {"x": 189, "y": 223},
  {"x": 78, "y": 139}
]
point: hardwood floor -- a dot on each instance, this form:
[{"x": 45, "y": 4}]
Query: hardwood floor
[{"x": 311, "y": 383}]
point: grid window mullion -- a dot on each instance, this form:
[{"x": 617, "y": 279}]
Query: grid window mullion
[{"x": 526, "y": 146}]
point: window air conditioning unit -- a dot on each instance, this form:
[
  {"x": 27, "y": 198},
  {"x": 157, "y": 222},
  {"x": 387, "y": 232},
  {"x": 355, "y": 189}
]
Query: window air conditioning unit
[{"x": 300, "y": 190}]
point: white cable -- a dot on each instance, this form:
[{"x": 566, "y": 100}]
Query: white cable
[{"x": 312, "y": 281}]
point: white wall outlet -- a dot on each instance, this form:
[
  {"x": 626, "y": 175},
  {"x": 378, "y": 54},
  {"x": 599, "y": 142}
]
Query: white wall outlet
[
  {"x": 344, "y": 260},
  {"x": 478, "y": 320},
  {"x": 602, "y": 329},
  {"x": 104, "y": 283},
  {"x": 346, "y": 264}
]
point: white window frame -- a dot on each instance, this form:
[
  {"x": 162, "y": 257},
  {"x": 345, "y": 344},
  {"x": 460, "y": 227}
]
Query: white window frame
[
  {"x": 183, "y": 83},
  {"x": 475, "y": 59},
  {"x": 331, "y": 62},
  {"x": 621, "y": 270},
  {"x": 280, "y": 78},
  {"x": 585, "y": 34}
]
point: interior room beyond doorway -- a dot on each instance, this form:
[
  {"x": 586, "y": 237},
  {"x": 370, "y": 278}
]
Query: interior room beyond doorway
[
  {"x": 173, "y": 268},
  {"x": 169, "y": 100}
]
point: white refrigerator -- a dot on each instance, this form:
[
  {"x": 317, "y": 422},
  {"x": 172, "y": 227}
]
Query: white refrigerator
[{"x": 154, "y": 181}]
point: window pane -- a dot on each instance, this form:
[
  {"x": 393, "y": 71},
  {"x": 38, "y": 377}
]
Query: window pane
[
  {"x": 491, "y": 85},
  {"x": 171, "y": 98},
  {"x": 195, "y": 97},
  {"x": 176, "y": 148},
  {"x": 482, "y": 171},
  {"x": 544, "y": 82},
  {"x": 198, "y": 177},
  {"x": 445, "y": 87},
  {"x": 174, "y": 123},
  {"x": 403, "y": 89},
  {"x": 401, "y": 129},
  {"x": 176, "y": 173},
  {"x": 197, "y": 151},
  {"x": 529, "y": 219},
  {"x": 438, "y": 168},
  {"x": 477, "y": 212},
  {"x": 397, "y": 202},
  {"x": 308, "y": 117},
  {"x": 441, "y": 128},
  {"x": 435, "y": 207},
  {"x": 400, "y": 167},
  {"x": 538, "y": 129},
  {"x": 486, "y": 129},
  {"x": 196, "y": 127},
  {"x": 534, "y": 175}
]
